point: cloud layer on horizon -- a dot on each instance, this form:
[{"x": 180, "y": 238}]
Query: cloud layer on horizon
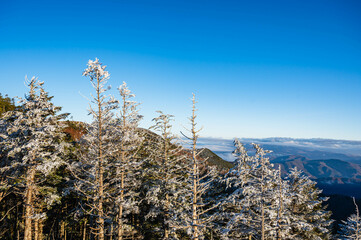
[{"x": 323, "y": 147}]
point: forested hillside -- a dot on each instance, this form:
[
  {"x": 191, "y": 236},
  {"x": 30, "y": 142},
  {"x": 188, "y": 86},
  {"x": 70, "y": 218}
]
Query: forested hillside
[
  {"x": 6, "y": 104},
  {"x": 110, "y": 179}
]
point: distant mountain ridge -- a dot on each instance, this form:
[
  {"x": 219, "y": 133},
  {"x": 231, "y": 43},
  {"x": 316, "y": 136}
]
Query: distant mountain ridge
[
  {"x": 310, "y": 148},
  {"x": 333, "y": 176},
  {"x": 331, "y": 169}
]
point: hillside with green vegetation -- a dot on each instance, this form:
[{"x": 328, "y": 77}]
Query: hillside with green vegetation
[{"x": 6, "y": 104}]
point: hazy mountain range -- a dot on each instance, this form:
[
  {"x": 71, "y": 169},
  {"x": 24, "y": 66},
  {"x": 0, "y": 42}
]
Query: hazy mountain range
[
  {"x": 334, "y": 164},
  {"x": 309, "y": 148}
]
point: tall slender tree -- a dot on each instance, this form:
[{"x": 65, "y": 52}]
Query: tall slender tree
[
  {"x": 282, "y": 223},
  {"x": 93, "y": 169},
  {"x": 199, "y": 218},
  {"x": 168, "y": 175},
  {"x": 126, "y": 179}
]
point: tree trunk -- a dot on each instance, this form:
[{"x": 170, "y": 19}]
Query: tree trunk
[
  {"x": 166, "y": 217},
  {"x": 62, "y": 230},
  {"x": 166, "y": 207},
  {"x": 111, "y": 231},
  {"x": 41, "y": 226},
  {"x": 100, "y": 170},
  {"x": 100, "y": 205},
  {"x": 36, "y": 229},
  {"x": 120, "y": 214},
  {"x": 84, "y": 230},
  {"x": 262, "y": 222},
  {"x": 195, "y": 192},
  {"x": 17, "y": 225},
  {"x": 195, "y": 175},
  {"x": 262, "y": 207},
  {"x": 29, "y": 203}
]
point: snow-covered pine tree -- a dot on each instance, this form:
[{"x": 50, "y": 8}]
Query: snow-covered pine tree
[
  {"x": 282, "y": 225},
  {"x": 92, "y": 171},
  {"x": 33, "y": 144},
  {"x": 198, "y": 220},
  {"x": 351, "y": 229},
  {"x": 167, "y": 182},
  {"x": 310, "y": 220},
  {"x": 126, "y": 179},
  {"x": 233, "y": 222},
  {"x": 258, "y": 200}
]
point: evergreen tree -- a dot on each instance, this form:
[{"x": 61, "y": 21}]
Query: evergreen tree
[
  {"x": 93, "y": 170},
  {"x": 126, "y": 178},
  {"x": 233, "y": 223},
  {"x": 256, "y": 203},
  {"x": 282, "y": 223},
  {"x": 310, "y": 219},
  {"x": 199, "y": 218},
  {"x": 259, "y": 195},
  {"x": 32, "y": 142},
  {"x": 351, "y": 229},
  {"x": 167, "y": 172}
]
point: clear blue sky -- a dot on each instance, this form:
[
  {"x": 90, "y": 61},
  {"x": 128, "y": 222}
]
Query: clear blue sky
[{"x": 258, "y": 68}]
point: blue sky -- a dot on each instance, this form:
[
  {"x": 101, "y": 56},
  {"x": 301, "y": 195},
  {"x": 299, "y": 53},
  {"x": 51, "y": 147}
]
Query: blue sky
[{"x": 258, "y": 68}]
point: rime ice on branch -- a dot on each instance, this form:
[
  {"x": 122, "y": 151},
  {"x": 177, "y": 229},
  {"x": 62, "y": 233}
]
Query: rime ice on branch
[
  {"x": 126, "y": 180},
  {"x": 32, "y": 143},
  {"x": 198, "y": 220},
  {"x": 167, "y": 173},
  {"x": 93, "y": 169}
]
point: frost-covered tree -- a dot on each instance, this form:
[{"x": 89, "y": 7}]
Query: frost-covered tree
[
  {"x": 265, "y": 206},
  {"x": 284, "y": 219},
  {"x": 310, "y": 220},
  {"x": 255, "y": 196},
  {"x": 92, "y": 171},
  {"x": 167, "y": 174},
  {"x": 32, "y": 141},
  {"x": 126, "y": 178},
  {"x": 256, "y": 203},
  {"x": 233, "y": 223},
  {"x": 198, "y": 219},
  {"x": 351, "y": 229},
  {"x": 259, "y": 195}
]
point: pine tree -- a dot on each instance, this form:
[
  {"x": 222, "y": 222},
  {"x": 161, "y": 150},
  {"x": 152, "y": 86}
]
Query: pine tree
[
  {"x": 33, "y": 144},
  {"x": 198, "y": 219},
  {"x": 258, "y": 209},
  {"x": 93, "y": 169},
  {"x": 126, "y": 179},
  {"x": 310, "y": 219},
  {"x": 233, "y": 223},
  {"x": 256, "y": 203},
  {"x": 351, "y": 229},
  {"x": 167, "y": 172},
  {"x": 258, "y": 194},
  {"x": 284, "y": 219}
]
